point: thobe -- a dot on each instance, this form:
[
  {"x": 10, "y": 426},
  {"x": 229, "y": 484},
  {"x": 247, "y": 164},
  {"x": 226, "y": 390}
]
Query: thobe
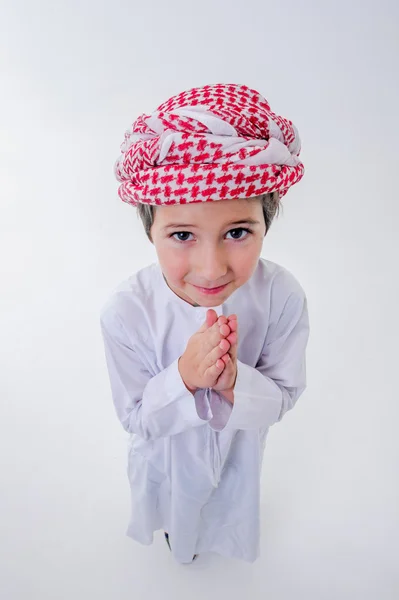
[{"x": 194, "y": 461}]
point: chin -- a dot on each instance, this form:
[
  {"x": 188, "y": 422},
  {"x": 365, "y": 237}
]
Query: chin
[{"x": 209, "y": 302}]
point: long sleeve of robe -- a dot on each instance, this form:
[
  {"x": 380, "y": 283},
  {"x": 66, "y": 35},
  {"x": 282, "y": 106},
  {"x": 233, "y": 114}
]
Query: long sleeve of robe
[{"x": 194, "y": 460}]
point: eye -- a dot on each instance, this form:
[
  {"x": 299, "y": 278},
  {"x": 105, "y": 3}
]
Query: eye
[
  {"x": 182, "y": 236},
  {"x": 236, "y": 233}
]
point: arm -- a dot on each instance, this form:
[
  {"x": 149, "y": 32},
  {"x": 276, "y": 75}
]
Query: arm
[
  {"x": 263, "y": 394},
  {"x": 152, "y": 406}
]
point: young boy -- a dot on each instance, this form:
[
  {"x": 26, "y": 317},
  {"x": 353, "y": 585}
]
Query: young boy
[{"x": 206, "y": 348}]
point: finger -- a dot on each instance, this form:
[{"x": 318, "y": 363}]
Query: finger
[
  {"x": 233, "y": 324},
  {"x": 215, "y": 335},
  {"x": 210, "y": 321},
  {"x": 232, "y": 338},
  {"x": 224, "y": 345},
  {"x": 220, "y": 364},
  {"x": 224, "y": 330},
  {"x": 211, "y": 317},
  {"x": 215, "y": 354},
  {"x": 233, "y": 352},
  {"x": 215, "y": 370},
  {"x": 226, "y": 358}
]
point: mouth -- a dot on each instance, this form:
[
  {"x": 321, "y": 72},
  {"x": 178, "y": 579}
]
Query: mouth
[{"x": 215, "y": 290}]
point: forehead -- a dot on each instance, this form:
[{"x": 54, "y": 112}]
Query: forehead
[{"x": 208, "y": 214}]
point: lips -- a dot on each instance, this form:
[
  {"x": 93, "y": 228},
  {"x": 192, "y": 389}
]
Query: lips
[{"x": 214, "y": 290}]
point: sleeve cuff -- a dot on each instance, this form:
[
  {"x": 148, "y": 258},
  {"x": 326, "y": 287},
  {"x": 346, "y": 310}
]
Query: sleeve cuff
[
  {"x": 257, "y": 400},
  {"x": 192, "y": 409}
]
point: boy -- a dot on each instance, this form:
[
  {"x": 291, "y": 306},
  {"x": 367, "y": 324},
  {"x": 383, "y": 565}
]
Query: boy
[{"x": 206, "y": 348}]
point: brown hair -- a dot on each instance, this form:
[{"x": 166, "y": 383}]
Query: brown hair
[{"x": 270, "y": 206}]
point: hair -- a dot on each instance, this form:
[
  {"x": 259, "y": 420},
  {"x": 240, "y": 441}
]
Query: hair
[{"x": 270, "y": 206}]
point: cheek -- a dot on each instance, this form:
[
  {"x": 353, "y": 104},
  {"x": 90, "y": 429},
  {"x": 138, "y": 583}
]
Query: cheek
[
  {"x": 173, "y": 261},
  {"x": 246, "y": 260}
]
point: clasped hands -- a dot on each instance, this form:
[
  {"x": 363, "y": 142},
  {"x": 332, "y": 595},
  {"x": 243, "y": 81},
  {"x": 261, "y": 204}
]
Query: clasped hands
[{"x": 210, "y": 358}]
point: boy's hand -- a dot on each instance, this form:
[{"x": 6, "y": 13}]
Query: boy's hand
[
  {"x": 201, "y": 363},
  {"x": 227, "y": 378}
]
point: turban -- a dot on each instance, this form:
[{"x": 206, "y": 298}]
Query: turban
[{"x": 216, "y": 142}]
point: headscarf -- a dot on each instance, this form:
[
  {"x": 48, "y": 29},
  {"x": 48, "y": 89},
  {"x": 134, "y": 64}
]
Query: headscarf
[{"x": 216, "y": 142}]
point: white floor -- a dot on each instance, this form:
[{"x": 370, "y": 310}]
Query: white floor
[{"x": 329, "y": 523}]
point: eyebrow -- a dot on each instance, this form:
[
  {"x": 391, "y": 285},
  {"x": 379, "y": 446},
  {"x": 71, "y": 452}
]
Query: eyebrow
[{"x": 240, "y": 222}]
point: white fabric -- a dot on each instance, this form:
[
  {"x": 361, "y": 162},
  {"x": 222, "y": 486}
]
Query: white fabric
[
  {"x": 275, "y": 151},
  {"x": 194, "y": 462}
]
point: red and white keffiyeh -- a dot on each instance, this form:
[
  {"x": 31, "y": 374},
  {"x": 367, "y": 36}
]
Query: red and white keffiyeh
[{"x": 216, "y": 142}]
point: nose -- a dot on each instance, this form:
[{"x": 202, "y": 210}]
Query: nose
[{"x": 211, "y": 267}]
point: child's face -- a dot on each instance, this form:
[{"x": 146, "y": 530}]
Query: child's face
[{"x": 206, "y": 245}]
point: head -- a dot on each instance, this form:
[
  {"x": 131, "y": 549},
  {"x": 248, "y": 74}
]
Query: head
[
  {"x": 209, "y": 244},
  {"x": 207, "y": 171}
]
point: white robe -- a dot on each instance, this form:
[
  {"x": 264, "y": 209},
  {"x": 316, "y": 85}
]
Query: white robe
[{"x": 194, "y": 462}]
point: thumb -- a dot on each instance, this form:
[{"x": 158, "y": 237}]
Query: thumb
[{"x": 211, "y": 318}]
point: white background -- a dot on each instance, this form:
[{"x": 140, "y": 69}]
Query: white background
[{"x": 74, "y": 76}]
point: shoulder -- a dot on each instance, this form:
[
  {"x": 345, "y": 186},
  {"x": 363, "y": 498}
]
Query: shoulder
[
  {"x": 278, "y": 282},
  {"x": 287, "y": 302},
  {"x": 130, "y": 302},
  {"x": 285, "y": 297}
]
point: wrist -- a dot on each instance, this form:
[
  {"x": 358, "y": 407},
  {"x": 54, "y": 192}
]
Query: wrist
[
  {"x": 180, "y": 366},
  {"x": 228, "y": 395}
]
